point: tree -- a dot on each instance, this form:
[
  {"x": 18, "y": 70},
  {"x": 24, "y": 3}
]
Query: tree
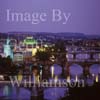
[
  {"x": 43, "y": 55},
  {"x": 7, "y": 66}
]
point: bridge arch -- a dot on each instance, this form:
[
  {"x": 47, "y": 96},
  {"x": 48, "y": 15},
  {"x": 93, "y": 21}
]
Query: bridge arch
[
  {"x": 94, "y": 69},
  {"x": 75, "y": 69},
  {"x": 57, "y": 69}
]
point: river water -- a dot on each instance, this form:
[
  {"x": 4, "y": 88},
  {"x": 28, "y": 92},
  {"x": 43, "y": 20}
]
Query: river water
[{"x": 7, "y": 92}]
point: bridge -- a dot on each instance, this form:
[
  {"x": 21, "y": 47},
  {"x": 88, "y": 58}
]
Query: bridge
[{"x": 83, "y": 56}]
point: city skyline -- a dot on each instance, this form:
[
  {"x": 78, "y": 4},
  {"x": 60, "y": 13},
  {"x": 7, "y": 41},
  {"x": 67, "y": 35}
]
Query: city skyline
[
  {"x": 84, "y": 16},
  {"x": 49, "y": 49}
]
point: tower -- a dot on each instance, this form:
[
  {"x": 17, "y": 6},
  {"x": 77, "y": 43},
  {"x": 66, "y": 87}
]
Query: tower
[{"x": 7, "y": 49}]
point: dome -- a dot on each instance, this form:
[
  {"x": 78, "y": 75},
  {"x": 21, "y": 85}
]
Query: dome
[{"x": 30, "y": 41}]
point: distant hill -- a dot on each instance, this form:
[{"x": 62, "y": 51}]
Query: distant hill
[{"x": 60, "y": 34}]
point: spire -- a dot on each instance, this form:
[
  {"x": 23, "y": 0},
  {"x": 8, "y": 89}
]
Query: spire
[{"x": 8, "y": 40}]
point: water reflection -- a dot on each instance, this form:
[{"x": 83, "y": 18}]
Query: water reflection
[
  {"x": 13, "y": 93},
  {"x": 54, "y": 93},
  {"x": 7, "y": 91}
]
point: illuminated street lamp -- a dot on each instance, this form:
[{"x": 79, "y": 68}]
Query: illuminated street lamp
[
  {"x": 97, "y": 78},
  {"x": 52, "y": 71}
]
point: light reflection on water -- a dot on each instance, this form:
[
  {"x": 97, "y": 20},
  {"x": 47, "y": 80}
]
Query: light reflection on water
[
  {"x": 54, "y": 93},
  {"x": 24, "y": 94},
  {"x": 14, "y": 93},
  {"x": 6, "y": 90}
]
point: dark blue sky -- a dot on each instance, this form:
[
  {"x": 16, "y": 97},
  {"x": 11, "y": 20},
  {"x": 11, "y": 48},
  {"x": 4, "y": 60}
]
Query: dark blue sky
[{"x": 85, "y": 15}]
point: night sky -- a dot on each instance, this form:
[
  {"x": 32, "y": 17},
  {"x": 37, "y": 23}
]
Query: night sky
[{"x": 85, "y": 15}]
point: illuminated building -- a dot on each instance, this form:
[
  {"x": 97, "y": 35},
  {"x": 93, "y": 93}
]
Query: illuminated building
[
  {"x": 34, "y": 50},
  {"x": 31, "y": 46},
  {"x": 7, "y": 49},
  {"x": 18, "y": 57},
  {"x": 29, "y": 41}
]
